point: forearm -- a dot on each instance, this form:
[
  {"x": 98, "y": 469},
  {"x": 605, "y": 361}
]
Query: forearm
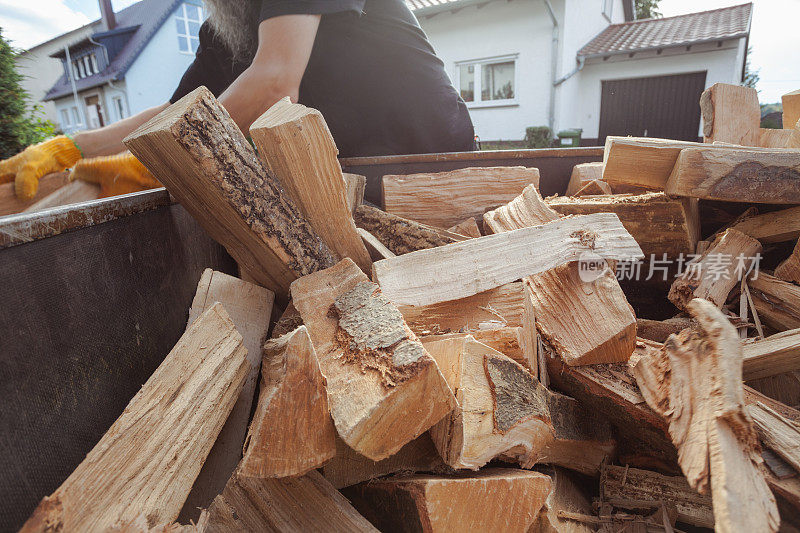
[
  {"x": 108, "y": 140},
  {"x": 252, "y": 93}
]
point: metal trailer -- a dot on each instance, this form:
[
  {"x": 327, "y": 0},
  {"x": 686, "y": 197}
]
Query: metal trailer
[{"x": 94, "y": 295}]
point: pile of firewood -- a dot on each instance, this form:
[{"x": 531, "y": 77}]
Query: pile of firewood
[{"x": 467, "y": 359}]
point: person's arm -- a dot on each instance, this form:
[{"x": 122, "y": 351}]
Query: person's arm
[
  {"x": 284, "y": 47},
  {"x": 108, "y": 139}
]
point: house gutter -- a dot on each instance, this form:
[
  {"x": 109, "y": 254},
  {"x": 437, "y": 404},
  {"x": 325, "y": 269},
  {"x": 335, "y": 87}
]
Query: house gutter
[
  {"x": 75, "y": 88},
  {"x": 551, "y": 115}
]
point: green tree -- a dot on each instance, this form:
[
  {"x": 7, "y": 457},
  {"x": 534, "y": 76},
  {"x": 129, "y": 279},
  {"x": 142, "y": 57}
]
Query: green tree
[
  {"x": 751, "y": 75},
  {"x": 19, "y": 126},
  {"x": 647, "y": 9}
]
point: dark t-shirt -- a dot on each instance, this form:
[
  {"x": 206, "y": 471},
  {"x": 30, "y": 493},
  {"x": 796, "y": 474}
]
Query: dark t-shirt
[{"x": 372, "y": 73}]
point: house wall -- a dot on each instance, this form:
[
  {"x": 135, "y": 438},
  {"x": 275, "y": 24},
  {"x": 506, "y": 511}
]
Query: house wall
[
  {"x": 40, "y": 71},
  {"x": 155, "y": 74},
  {"x": 582, "y": 108},
  {"x": 523, "y": 27}
]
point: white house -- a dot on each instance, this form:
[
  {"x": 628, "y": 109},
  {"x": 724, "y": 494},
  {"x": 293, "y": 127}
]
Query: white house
[
  {"x": 116, "y": 66},
  {"x": 583, "y": 64}
]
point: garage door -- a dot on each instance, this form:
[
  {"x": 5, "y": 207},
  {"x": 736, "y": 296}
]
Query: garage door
[{"x": 662, "y": 106}]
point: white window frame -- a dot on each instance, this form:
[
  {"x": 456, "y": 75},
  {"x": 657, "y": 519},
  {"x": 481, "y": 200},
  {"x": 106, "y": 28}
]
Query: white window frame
[
  {"x": 119, "y": 107},
  {"x": 478, "y": 73},
  {"x": 607, "y": 9},
  {"x": 65, "y": 119},
  {"x": 183, "y": 16},
  {"x": 95, "y": 67}
]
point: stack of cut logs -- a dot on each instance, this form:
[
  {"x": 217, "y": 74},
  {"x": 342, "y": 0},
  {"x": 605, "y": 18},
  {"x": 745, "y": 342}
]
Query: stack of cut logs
[{"x": 467, "y": 359}]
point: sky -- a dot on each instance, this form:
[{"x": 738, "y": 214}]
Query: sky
[{"x": 773, "y": 36}]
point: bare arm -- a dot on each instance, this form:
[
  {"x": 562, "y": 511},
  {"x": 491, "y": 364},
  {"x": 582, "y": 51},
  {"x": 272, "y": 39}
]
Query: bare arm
[
  {"x": 108, "y": 140},
  {"x": 284, "y": 46}
]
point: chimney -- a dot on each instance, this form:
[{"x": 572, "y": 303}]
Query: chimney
[{"x": 107, "y": 15}]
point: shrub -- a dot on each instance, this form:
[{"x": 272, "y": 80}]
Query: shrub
[{"x": 538, "y": 137}]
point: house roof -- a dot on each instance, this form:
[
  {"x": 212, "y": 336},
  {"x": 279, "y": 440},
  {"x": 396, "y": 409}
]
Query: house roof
[
  {"x": 148, "y": 15},
  {"x": 682, "y": 30}
]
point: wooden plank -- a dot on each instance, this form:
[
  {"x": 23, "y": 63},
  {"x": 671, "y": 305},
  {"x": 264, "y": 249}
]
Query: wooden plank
[
  {"x": 444, "y": 199},
  {"x": 641, "y": 161},
  {"x": 774, "y": 138},
  {"x": 355, "y": 185},
  {"x": 582, "y": 174},
  {"x": 661, "y": 225},
  {"x": 510, "y": 501},
  {"x": 292, "y": 431},
  {"x": 777, "y": 433},
  {"x": 620, "y": 484},
  {"x": 384, "y": 389},
  {"x": 777, "y": 226},
  {"x": 717, "y": 271},
  {"x": 789, "y": 269},
  {"x": 771, "y": 356},
  {"x": 250, "y": 308},
  {"x": 594, "y": 188},
  {"x": 376, "y": 249},
  {"x": 777, "y": 301},
  {"x": 349, "y": 467},
  {"x": 503, "y": 306},
  {"x": 736, "y": 175},
  {"x": 398, "y": 234},
  {"x": 791, "y": 109},
  {"x": 467, "y": 228},
  {"x": 715, "y": 438},
  {"x": 504, "y": 412},
  {"x": 474, "y": 265},
  {"x": 297, "y": 147},
  {"x": 10, "y": 203},
  {"x": 731, "y": 114},
  {"x": 71, "y": 193},
  {"x": 198, "y": 152},
  {"x": 149, "y": 458},
  {"x": 306, "y": 503}
]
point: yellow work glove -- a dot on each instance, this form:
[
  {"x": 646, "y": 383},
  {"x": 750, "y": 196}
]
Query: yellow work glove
[
  {"x": 27, "y": 167},
  {"x": 116, "y": 174}
]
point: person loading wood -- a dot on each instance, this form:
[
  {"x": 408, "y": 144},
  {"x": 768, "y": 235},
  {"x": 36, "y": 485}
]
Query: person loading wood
[{"x": 365, "y": 64}]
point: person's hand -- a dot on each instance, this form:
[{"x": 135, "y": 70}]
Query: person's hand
[
  {"x": 116, "y": 174},
  {"x": 26, "y": 168}
]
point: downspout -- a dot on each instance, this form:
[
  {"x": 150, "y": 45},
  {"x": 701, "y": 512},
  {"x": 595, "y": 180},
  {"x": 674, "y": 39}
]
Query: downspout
[
  {"x": 565, "y": 77},
  {"x": 105, "y": 50},
  {"x": 75, "y": 89},
  {"x": 551, "y": 115}
]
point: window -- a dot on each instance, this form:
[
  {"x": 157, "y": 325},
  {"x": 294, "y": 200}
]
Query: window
[
  {"x": 608, "y": 8},
  {"x": 188, "y": 21},
  {"x": 65, "y": 123},
  {"x": 96, "y": 70},
  {"x": 487, "y": 82},
  {"x": 119, "y": 108},
  {"x": 76, "y": 119}
]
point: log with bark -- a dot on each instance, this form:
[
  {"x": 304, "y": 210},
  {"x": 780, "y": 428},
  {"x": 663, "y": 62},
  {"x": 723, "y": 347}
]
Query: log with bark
[
  {"x": 494, "y": 499},
  {"x": 292, "y": 431},
  {"x": 504, "y": 412},
  {"x": 777, "y": 226},
  {"x": 148, "y": 460},
  {"x": 472, "y": 266},
  {"x": 659, "y": 330},
  {"x": 196, "y": 150},
  {"x": 661, "y": 225},
  {"x": 298, "y": 149},
  {"x": 736, "y": 175},
  {"x": 717, "y": 271},
  {"x": 384, "y": 389},
  {"x": 731, "y": 114},
  {"x": 776, "y": 301},
  {"x": 715, "y": 437},
  {"x": 631, "y": 488},
  {"x": 398, "y": 234},
  {"x": 376, "y": 249},
  {"x": 444, "y": 199}
]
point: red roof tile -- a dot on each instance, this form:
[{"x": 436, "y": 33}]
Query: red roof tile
[{"x": 725, "y": 23}]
